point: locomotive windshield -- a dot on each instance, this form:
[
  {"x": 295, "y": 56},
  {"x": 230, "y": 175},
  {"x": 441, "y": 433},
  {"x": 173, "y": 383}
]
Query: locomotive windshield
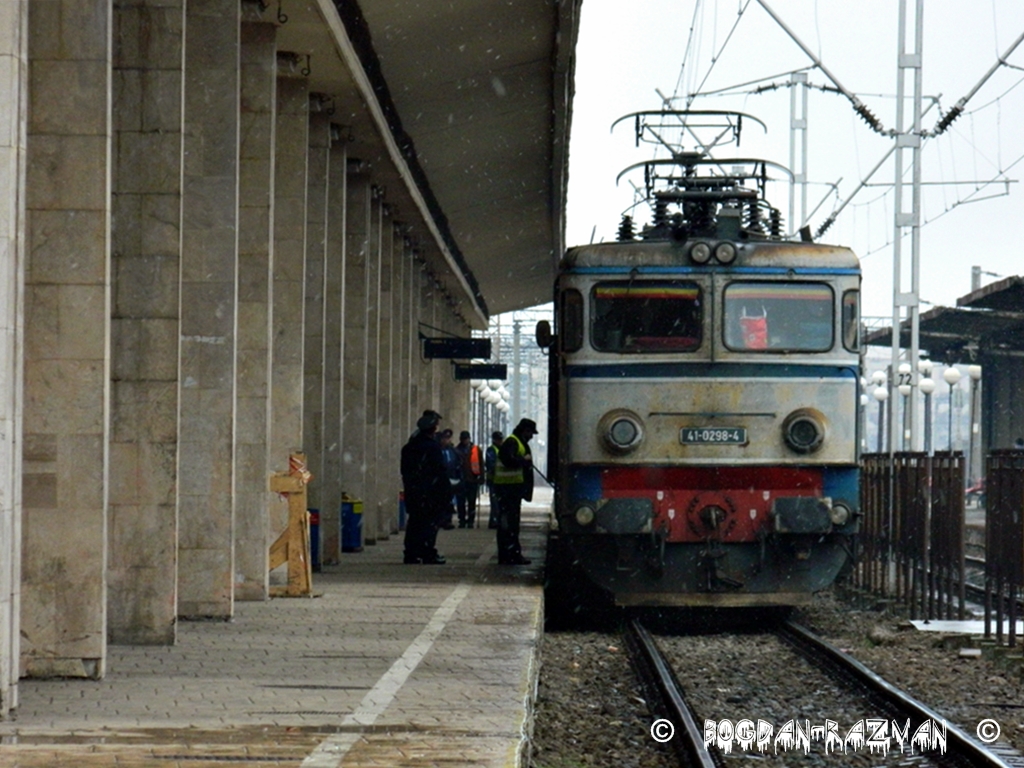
[
  {"x": 779, "y": 317},
  {"x": 647, "y": 316}
]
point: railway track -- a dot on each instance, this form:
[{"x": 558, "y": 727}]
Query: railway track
[{"x": 941, "y": 744}]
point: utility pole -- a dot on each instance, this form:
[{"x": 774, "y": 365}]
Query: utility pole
[
  {"x": 798, "y": 125},
  {"x": 902, "y": 299},
  {"x": 517, "y": 376}
]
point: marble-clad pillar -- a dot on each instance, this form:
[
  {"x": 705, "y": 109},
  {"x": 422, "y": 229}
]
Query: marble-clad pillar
[
  {"x": 334, "y": 349},
  {"x": 67, "y": 341},
  {"x": 357, "y": 252},
  {"x": 371, "y": 384},
  {"x": 146, "y": 237},
  {"x": 208, "y": 298},
  {"x": 315, "y": 297},
  {"x": 387, "y": 455},
  {"x": 258, "y": 107},
  {"x": 287, "y": 315},
  {"x": 13, "y": 93}
]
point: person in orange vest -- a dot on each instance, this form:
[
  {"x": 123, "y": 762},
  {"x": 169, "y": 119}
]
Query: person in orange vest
[{"x": 472, "y": 477}]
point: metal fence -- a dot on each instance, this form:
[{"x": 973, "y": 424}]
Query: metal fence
[
  {"x": 912, "y": 533},
  {"x": 1004, "y": 541}
]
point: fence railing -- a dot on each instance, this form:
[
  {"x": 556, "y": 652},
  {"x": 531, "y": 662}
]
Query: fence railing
[
  {"x": 912, "y": 542},
  {"x": 912, "y": 532},
  {"x": 1004, "y": 541}
]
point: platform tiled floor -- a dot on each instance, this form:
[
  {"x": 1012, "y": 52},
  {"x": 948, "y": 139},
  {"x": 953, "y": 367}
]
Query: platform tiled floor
[{"x": 392, "y": 665}]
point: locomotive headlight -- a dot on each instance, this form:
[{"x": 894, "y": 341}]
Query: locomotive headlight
[
  {"x": 804, "y": 430},
  {"x": 621, "y": 431},
  {"x": 840, "y": 514},
  {"x": 585, "y": 515},
  {"x": 725, "y": 253},
  {"x": 700, "y": 253}
]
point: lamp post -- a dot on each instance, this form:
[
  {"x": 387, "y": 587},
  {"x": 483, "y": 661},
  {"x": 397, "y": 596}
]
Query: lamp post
[
  {"x": 974, "y": 372},
  {"x": 927, "y": 386},
  {"x": 863, "y": 421},
  {"x": 879, "y": 378},
  {"x": 904, "y": 389},
  {"x": 881, "y": 394},
  {"x": 951, "y": 376}
]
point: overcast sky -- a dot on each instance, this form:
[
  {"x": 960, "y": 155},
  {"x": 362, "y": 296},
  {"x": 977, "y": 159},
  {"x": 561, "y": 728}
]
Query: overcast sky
[{"x": 625, "y": 56}]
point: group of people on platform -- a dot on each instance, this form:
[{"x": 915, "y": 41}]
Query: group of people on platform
[{"x": 442, "y": 480}]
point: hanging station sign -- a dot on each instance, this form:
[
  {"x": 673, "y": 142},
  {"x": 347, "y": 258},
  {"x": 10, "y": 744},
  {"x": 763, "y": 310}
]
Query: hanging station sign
[{"x": 456, "y": 349}]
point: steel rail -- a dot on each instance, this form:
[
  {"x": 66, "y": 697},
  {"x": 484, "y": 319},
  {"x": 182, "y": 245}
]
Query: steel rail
[
  {"x": 657, "y": 674},
  {"x": 960, "y": 744}
]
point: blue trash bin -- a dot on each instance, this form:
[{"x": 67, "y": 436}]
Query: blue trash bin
[
  {"x": 314, "y": 539},
  {"x": 351, "y": 525}
]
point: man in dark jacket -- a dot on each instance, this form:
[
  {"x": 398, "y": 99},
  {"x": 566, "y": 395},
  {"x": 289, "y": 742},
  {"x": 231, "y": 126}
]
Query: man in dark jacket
[
  {"x": 428, "y": 492},
  {"x": 513, "y": 483},
  {"x": 453, "y": 465}
]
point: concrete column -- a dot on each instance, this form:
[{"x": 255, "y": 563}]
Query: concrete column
[
  {"x": 318, "y": 153},
  {"x": 425, "y": 317},
  {"x": 67, "y": 341},
  {"x": 371, "y": 302},
  {"x": 403, "y": 381},
  {"x": 357, "y": 253},
  {"x": 334, "y": 353},
  {"x": 287, "y": 318},
  {"x": 258, "y": 107},
  {"x": 387, "y": 455},
  {"x": 412, "y": 338},
  {"x": 146, "y": 237},
  {"x": 13, "y": 93},
  {"x": 433, "y": 319},
  {"x": 208, "y": 299}
]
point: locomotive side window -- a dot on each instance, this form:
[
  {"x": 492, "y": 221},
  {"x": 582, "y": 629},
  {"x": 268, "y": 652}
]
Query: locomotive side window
[
  {"x": 851, "y": 320},
  {"x": 571, "y": 330},
  {"x": 647, "y": 316},
  {"x": 779, "y": 317}
]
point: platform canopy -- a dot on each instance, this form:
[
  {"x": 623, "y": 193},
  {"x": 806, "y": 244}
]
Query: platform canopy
[
  {"x": 989, "y": 320},
  {"x": 474, "y": 98}
]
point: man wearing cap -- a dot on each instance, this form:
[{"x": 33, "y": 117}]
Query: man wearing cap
[
  {"x": 513, "y": 482},
  {"x": 472, "y": 477},
  {"x": 490, "y": 461},
  {"x": 427, "y": 490}
]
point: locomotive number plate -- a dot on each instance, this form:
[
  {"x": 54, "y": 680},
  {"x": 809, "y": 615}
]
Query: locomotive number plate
[{"x": 713, "y": 435}]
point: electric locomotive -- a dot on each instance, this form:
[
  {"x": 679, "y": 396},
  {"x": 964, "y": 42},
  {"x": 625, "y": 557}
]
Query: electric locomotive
[{"x": 704, "y": 399}]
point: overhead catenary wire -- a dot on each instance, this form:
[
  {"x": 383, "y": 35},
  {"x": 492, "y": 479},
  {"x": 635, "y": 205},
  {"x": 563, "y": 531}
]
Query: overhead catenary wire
[{"x": 764, "y": 84}]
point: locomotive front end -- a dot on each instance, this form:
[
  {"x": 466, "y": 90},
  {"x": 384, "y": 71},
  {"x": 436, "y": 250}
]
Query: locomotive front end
[{"x": 708, "y": 420}]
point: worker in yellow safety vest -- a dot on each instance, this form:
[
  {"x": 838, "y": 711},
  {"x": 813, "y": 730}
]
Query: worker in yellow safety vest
[{"x": 513, "y": 483}]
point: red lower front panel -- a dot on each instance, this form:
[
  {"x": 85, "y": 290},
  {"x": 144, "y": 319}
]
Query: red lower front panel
[{"x": 729, "y": 504}]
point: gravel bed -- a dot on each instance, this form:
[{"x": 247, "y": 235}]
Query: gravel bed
[
  {"x": 729, "y": 676},
  {"x": 591, "y": 711},
  {"x": 590, "y": 708},
  {"x": 929, "y": 665}
]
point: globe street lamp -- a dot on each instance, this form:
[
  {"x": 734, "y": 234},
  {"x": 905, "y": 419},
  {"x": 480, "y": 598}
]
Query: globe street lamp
[
  {"x": 927, "y": 386},
  {"x": 974, "y": 372},
  {"x": 904, "y": 388},
  {"x": 951, "y": 376},
  {"x": 881, "y": 394},
  {"x": 879, "y": 379}
]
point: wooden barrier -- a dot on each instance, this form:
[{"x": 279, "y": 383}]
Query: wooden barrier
[{"x": 292, "y": 546}]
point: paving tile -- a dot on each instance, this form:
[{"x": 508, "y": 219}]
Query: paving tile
[{"x": 360, "y": 669}]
